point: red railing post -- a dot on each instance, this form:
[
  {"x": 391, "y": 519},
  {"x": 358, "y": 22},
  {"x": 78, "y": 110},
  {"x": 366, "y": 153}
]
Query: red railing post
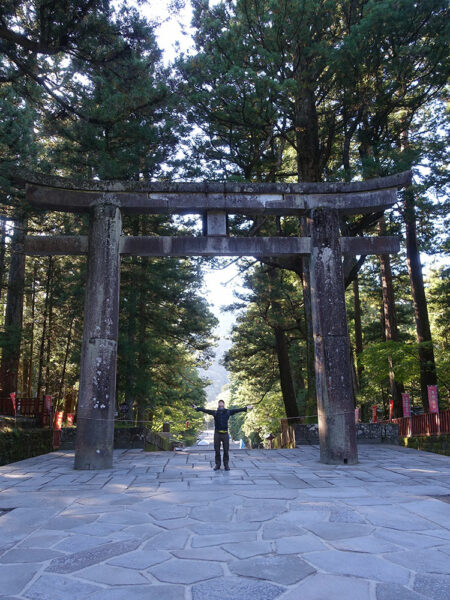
[{"x": 57, "y": 425}]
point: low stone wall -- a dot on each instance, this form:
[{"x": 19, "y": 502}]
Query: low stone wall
[
  {"x": 158, "y": 440},
  {"x": 125, "y": 438},
  {"x": 439, "y": 444},
  {"x": 18, "y": 444},
  {"x": 366, "y": 433}
]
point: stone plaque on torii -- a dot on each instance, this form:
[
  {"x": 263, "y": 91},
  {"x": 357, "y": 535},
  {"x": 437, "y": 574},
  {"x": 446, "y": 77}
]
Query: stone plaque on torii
[{"x": 106, "y": 201}]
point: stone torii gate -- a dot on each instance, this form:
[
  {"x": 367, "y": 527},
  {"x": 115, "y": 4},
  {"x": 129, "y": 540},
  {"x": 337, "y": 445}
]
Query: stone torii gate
[{"x": 323, "y": 203}]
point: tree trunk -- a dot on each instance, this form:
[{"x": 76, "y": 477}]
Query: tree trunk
[
  {"x": 358, "y": 327},
  {"x": 66, "y": 358},
  {"x": 33, "y": 312},
  {"x": 49, "y": 333},
  {"x": 281, "y": 345},
  {"x": 2, "y": 251},
  {"x": 44, "y": 329},
  {"x": 14, "y": 311},
  {"x": 390, "y": 323},
  {"x": 426, "y": 353}
]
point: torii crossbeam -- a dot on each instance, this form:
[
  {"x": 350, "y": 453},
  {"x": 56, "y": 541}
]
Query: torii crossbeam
[{"x": 106, "y": 201}]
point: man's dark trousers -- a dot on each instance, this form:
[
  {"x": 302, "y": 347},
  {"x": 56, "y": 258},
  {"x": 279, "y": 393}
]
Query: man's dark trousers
[{"x": 225, "y": 440}]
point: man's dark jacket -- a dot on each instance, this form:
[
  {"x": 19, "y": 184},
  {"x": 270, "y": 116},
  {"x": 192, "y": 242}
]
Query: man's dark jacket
[{"x": 221, "y": 416}]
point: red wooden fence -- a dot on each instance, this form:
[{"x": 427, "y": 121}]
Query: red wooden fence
[
  {"x": 28, "y": 407},
  {"x": 427, "y": 424}
]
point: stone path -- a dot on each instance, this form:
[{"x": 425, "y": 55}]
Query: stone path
[{"x": 163, "y": 526}]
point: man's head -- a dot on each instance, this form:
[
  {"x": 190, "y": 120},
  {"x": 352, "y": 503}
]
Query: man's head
[{"x": 221, "y": 404}]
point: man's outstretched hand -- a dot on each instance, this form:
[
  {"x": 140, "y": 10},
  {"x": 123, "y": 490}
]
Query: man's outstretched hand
[
  {"x": 194, "y": 405},
  {"x": 249, "y": 407}
]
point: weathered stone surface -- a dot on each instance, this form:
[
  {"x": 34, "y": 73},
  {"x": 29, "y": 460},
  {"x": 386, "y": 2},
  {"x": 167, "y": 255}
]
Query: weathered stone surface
[
  {"x": 140, "y": 559},
  {"x": 247, "y": 549},
  {"x": 299, "y": 544},
  {"x": 220, "y": 539},
  {"x": 369, "y": 544},
  {"x": 15, "y": 577},
  {"x": 141, "y": 592},
  {"x": 330, "y": 587},
  {"x": 186, "y": 571},
  {"x": 213, "y": 513},
  {"x": 339, "y": 531},
  {"x": 359, "y": 565},
  {"x": 233, "y": 589},
  {"x": 96, "y": 403},
  {"x": 434, "y": 587},
  {"x": 214, "y": 554},
  {"x": 424, "y": 561},
  {"x": 55, "y": 587},
  {"x": 280, "y": 569},
  {"x": 168, "y": 540},
  {"x": 86, "y": 558},
  {"x": 335, "y": 404},
  {"x": 366, "y": 433},
  {"x": 29, "y": 555},
  {"x": 112, "y": 575},
  {"x": 278, "y": 529},
  {"x": 393, "y": 591},
  {"x": 400, "y": 492}
]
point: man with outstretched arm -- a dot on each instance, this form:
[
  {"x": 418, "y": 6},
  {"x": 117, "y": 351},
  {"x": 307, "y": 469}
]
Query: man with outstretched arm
[{"x": 221, "y": 417}]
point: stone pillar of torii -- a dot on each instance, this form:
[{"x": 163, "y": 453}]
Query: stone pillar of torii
[{"x": 323, "y": 203}]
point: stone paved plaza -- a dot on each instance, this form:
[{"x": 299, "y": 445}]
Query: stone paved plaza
[{"x": 164, "y": 526}]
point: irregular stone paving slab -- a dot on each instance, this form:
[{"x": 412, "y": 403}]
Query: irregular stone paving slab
[
  {"x": 140, "y": 559},
  {"x": 369, "y": 544},
  {"x": 346, "y": 516},
  {"x": 56, "y": 587},
  {"x": 393, "y": 591},
  {"x": 168, "y": 540},
  {"x": 201, "y": 541},
  {"x": 299, "y": 544},
  {"x": 304, "y": 518},
  {"x": 186, "y": 571},
  {"x": 86, "y": 558},
  {"x": 434, "y": 587},
  {"x": 14, "y": 578},
  {"x": 270, "y": 494},
  {"x": 213, "y": 528},
  {"x": 125, "y": 517},
  {"x": 63, "y": 523},
  {"x": 248, "y": 549},
  {"x": 43, "y": 540},
  {"x": 408, "y": 539},
  {"x": 330, "y": 587},
  {"x": 235, "y": 589},
  {"x": 214, "y": 554},
  {"x": 29, "y": 555},
  {"x": 98, "y": 529},
  {"x": 276, "y": 529},
  {"x": 280, "y": 569},
  {"x": 424, "y": 561},
  {"x": 432, "y": 509},
  {"x": 339, "y": 531},
  {"x": 359, "y": 565},
  {"x": 399, "y": 519},
  {"x": 78, "y": 543},
  {"x": 143, "y": 531},
  {"x": 176, "y": 523},
  {"x": 107, "y": 574},
  {"x": 212, "y": 513}
]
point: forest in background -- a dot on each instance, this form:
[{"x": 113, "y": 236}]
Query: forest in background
[{"x": 272, "y": 90}]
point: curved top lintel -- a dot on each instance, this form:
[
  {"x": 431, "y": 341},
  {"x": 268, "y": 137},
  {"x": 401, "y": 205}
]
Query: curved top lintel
[{"x": 397, "y": 180}]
